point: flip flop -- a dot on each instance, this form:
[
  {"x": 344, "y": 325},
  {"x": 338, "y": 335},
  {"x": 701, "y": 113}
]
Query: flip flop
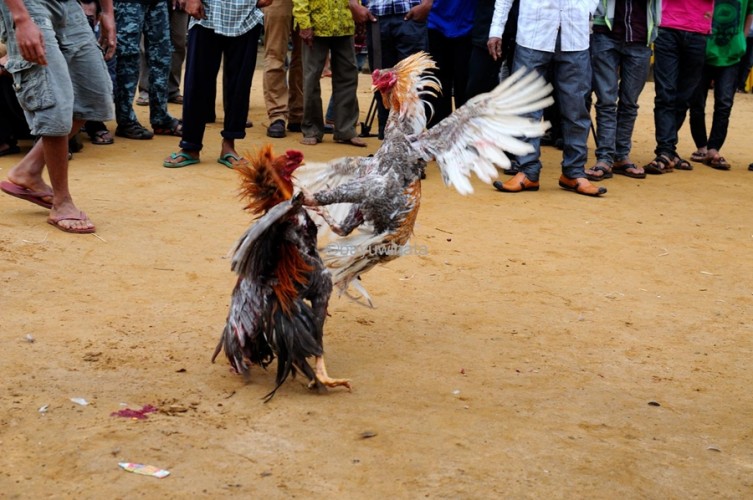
[
  {"x": 228, "y": 159},
  {"x": 353, "y": 141},
  {"x": 188, "y": 160},
  {"x": 26, "y": 194},
  {"x": 55, "y": 221}
]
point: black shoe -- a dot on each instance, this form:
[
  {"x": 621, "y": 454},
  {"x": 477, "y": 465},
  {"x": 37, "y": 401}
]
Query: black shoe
[
  {"x": 276, "y": 129},
  {"x": 294, "y": 127}
]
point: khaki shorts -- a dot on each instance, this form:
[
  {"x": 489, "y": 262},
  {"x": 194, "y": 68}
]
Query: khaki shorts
[{"x": 74, "y": 84}]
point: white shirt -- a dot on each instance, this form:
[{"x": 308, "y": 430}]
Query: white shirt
[{"x": 540, "y": 21}]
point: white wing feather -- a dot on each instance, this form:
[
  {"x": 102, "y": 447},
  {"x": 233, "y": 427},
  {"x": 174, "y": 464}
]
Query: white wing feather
[{"x": 475, "y": 137}]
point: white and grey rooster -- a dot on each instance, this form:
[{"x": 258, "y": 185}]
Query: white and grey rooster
[{"x": 380, "y": 195}]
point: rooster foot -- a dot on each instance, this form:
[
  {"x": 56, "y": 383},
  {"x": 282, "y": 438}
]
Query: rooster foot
[{"x": 326, "y": 380}]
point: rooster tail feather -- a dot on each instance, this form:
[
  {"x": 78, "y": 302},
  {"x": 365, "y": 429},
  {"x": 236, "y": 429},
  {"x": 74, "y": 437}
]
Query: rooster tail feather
[{"x": 294, "y": 340}]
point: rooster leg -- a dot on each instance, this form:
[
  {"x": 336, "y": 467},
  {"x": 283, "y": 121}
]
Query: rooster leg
[
  {"x": 321, "y": 375},
  {"x": 331, "y": 222}
]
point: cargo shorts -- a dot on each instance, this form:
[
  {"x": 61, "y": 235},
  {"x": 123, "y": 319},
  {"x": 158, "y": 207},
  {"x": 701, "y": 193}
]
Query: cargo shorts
[{"x": 74, "y": 84}]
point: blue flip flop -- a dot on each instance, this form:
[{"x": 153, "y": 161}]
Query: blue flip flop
[
  {"x": 227, "y": 159},
  {"x": 188, "y": 160}
]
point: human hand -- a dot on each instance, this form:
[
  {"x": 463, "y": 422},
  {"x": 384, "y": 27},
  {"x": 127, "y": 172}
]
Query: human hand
[
  {"x": 307, "y": 36},
  {"x": 420, "y": 12},
  {"x": 494, "y": 44},
  {"x": 30, "y": 41},
  {"x": 107, "y": 39},
  {"x": 360, "y": 13},
  {"x": 195, "y": 9}
]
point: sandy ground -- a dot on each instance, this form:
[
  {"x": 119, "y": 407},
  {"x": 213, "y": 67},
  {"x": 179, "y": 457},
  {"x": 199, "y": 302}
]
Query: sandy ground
[{"x": 547, "y": 345}]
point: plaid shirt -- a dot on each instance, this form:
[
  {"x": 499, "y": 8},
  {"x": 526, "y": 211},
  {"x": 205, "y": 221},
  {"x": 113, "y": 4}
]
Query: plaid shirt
[
  {"x": 389, "y": 7},
  {"x": 230, "y": 17}
]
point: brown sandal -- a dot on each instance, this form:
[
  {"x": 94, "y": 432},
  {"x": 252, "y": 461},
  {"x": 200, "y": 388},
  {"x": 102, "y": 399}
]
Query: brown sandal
[{"x": 659, "y": 165}]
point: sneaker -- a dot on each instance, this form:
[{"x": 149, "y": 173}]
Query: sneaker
[
  {"x": 294, "y": 127},
  {"x": 276, "y": 129},
  {"x": 143, "y": 100}
]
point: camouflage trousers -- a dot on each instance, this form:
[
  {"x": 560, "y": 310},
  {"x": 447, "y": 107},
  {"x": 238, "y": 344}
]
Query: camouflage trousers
[{"x": 152, "y": 21}]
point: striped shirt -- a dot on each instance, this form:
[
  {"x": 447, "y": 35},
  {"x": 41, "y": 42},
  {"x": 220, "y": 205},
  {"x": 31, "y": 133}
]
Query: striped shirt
[
  {"x": 230, "y": 17},
  {"x": 389, "y": 7}
]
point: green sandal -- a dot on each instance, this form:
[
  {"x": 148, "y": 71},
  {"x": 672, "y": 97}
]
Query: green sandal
[{"x": 187, "y": 160}]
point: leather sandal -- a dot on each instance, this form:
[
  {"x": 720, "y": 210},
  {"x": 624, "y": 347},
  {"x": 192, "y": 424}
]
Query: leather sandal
[
  {"x": 519, "y": 182},
  {"x": 581, "y": 185}
]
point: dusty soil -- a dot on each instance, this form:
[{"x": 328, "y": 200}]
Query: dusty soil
[{"x": 547, "y": 345}]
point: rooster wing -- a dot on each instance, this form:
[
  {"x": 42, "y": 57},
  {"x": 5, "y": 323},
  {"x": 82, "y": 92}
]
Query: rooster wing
[{"x": 475, "y": 137}]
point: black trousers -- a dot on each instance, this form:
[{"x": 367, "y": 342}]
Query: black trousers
[{"x": 206, "y": 50}]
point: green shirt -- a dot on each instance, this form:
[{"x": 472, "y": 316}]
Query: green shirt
[
  {"x": 725, "y": 45},
  {"x": 326, "y": 17}
]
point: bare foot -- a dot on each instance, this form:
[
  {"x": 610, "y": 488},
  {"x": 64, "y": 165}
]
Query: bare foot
[
  {"x": 310, "y": 141},
  {"x": 70, "y": 219},
  {"x": 33, "y": 183},
  {"x": 353, "y": 141}
]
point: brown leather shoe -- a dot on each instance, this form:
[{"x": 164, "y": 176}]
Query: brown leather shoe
[
  {"x": 519, "y": 182},
  {"x": 581, "y": 185}
]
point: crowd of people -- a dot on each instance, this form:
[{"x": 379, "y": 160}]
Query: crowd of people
[{"x": 59, "y": 78}]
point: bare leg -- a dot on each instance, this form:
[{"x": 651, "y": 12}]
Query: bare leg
[
  {"x": 56, "y": 157},
  {"x": 28, "y": 172},
  {"x": 52, "y": 151}
]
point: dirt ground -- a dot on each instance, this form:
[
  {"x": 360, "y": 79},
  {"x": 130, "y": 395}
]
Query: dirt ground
[{"x": 547, "y": 345}]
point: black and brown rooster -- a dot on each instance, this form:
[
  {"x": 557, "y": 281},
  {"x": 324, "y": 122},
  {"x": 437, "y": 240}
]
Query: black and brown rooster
[{"x": 279, "y": 303}]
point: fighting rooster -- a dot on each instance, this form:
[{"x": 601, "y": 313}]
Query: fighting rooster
[
  {"x": 279, "y": 302},
  {"x": 381, "y": 195}
]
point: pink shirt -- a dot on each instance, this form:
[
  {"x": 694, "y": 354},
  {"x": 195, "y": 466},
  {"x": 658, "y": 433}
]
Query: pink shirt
[{"x": 687, "y": 15}]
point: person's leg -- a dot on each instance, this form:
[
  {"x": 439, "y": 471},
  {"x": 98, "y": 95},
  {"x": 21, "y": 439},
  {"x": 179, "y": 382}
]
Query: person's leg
[
  {"x": 666, "y": 75},
  {"x": 539, "y": 61},
  {"x": 692, "y": 57},
  {"x": 440, "y": 49},
  {"x": 344, "y": 88},
  {"x": 725, "y": 84},
  {"x": 129, "y": 18},
  {"x": 157, "y": 46},
  {"x": 178, "y": 37},
  {"x": 237, "y": 76},
  {"x": 634, "y": 65},
  {"x": 572, "y": 72},
  {"x": 461, "y": 55},
  {"x": 295, "y": 83},
  {"x": 605, "y": 59},
  {"x": 143, "y": 76},
  {"x": 483, "y": 75},
  {"x": 697, "y": 108},
  {"x": 314, "y": 58},
  {"x": 277, "y": 27},
  {"x": 203, "y": 59}
]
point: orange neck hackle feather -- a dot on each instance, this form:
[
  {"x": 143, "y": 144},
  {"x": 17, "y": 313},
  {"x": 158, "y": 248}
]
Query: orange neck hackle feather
[{"x": 403, "y": 83}]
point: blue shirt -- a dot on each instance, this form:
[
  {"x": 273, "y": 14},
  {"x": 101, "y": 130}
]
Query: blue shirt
[{"x": 452, "y": 18}]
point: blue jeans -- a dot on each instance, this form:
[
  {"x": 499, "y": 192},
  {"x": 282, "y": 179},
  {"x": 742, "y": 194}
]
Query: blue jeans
[
  {"x": 571, "y": 75},
  {"x": 620, "y": 71},
  {"x": 678, "y": 55},
  {"x": 725, "y": 85}
]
